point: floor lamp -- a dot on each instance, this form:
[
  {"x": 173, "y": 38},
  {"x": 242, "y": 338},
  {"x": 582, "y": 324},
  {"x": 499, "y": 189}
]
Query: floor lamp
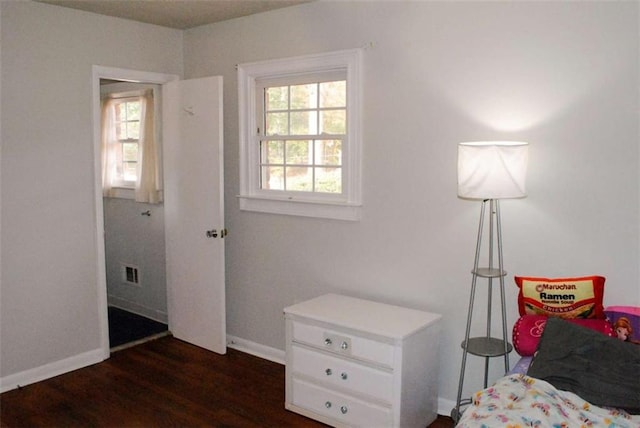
[{"x": 489, "y": 171}]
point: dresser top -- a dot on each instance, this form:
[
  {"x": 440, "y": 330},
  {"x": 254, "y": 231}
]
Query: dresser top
[{"x": 378, "y": 318}]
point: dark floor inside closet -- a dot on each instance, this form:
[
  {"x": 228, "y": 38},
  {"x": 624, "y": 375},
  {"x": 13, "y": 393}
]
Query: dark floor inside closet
[{"x": 126, "y": 327}]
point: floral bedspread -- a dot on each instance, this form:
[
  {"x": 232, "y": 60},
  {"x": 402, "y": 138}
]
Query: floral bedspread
[{"x": 518, "y": 400}]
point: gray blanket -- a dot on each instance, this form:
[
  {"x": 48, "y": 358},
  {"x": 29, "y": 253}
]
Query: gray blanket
[{"x": 602, "y": 370}]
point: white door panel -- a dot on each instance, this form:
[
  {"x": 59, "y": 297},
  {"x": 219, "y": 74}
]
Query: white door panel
[{"x": 193, "y": 177}]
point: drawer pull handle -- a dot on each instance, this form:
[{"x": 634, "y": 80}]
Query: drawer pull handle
[
  {"x": 344, "y": 410},
  {"x": 343, "y": 376},
  {"x": 329, "y": 372},
  {"x": 328, "y": 341},
  {"x": 344, "y": 345},
  {"x": 327, "y": 404}
]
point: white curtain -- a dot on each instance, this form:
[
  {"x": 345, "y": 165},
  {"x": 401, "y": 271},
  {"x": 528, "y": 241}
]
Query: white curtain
[
  {"x": 148, "y": 188},
  {"x": 109, "y": 148}
]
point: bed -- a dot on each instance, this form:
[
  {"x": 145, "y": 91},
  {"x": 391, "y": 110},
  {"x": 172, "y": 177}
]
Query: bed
[
  {"x": 519, "y": 400},
  {"x": 578, "y": 377}
]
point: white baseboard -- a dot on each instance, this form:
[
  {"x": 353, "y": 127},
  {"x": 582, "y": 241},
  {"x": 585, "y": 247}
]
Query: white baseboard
[
  {"x": 445, "y": 406},
  {"x": 154, "y": 314},
  {"x": 253, "y": 348},
  {"x": 50, "y": 370}
]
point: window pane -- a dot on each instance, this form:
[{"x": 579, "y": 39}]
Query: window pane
[
  {"x": 133, "y": 110},
  {"x": 298, "y": 152},
  {"x": 277, "y": 124},
  {"x": 333, "y": 94},
  {"x": 272, "y": 178},
  {"x": 277, "y": 98},
  {"x": 129, "y": 152},
  {"x": 133, "y": 130},
  {"x": 329, "y": 180},
  {"x": 304, "y": 123},
  {"x": 333, "y": 121},
  {"x": 304, "y": 96},
  {"x": 300, "y": 179},
  {"x": 272, "y": 152},
  {"x": 129, "y": 171},
  {"x": 328, "y": 152}
]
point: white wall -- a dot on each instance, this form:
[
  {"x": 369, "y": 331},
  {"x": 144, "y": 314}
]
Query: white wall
[
  {"x": 137, "y": 240},
  {"x": 562, "y": 75},
  {"x": 49, "y": 307}
]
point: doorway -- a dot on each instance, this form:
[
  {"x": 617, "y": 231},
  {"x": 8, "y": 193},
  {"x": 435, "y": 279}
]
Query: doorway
[
  {"x": 133, "y": 231},
  {"x": 103, "y": 210}
]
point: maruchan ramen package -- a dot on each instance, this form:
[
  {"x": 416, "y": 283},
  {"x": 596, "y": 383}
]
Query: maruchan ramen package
[{"x": 567, "y": 298}]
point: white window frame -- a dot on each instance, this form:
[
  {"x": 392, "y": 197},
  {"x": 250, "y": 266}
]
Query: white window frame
[{"x": 344, "y": 206}]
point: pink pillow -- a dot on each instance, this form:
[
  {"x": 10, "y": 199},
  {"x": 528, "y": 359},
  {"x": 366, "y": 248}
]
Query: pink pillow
[{"x": 528, "y": 330}]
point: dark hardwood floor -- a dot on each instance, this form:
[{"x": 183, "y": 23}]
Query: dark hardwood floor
[
  {"x": 165, "y": 382},
  {"x": 126, "y": 327}
]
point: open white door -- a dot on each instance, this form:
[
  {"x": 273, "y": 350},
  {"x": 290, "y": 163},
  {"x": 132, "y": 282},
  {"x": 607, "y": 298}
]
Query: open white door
[{"x": 194, "y": 208}]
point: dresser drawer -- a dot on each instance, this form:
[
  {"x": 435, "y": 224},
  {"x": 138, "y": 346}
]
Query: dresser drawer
[
  {"x": 344, "y": 344},
  {"x": 340, "y": 373},
  {"x": 340, "y": 407}
]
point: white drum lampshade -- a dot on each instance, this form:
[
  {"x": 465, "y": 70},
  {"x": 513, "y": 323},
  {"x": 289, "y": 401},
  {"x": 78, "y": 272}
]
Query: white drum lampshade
[{"x": 492, "y": 169}]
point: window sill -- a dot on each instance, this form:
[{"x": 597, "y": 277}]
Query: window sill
[
  {"x": 329, "y": 210},
  {"x": 130, "y": 193},
  {"x": 122, "y": 193}
]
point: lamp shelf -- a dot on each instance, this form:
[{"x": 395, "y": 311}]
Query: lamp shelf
[
  {"x": 487, "y": 347},
  {"x": 489, "y": 272}
]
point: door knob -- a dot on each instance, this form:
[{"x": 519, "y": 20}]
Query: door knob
[{"x": 213, "y": 233}]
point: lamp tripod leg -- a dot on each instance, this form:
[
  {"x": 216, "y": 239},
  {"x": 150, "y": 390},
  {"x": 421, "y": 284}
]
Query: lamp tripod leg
[
  {"x": 455, "y": 413},
  {"x": 502, "y": 291}
]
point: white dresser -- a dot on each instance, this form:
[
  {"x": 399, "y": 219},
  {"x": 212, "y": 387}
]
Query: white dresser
[{"x": 353, "y": 362}]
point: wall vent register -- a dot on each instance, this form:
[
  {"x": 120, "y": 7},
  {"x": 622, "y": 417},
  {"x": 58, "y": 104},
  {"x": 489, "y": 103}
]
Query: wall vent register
[
  {"x": 345, "y": 367},
  {"x": 130, "y": 275}
]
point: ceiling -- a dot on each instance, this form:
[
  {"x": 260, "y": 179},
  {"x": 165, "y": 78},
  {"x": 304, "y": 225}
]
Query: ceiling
[{"x": 180, "y": 14}]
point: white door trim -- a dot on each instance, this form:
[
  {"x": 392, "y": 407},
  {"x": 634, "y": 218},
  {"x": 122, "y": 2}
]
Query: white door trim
[{"x": 101, "y": 72}]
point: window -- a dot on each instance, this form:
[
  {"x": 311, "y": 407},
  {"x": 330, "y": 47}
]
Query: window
[
  {"x": 302, "y": 131},
  {"x": 130, "y": 166},
  {"x": 127, "y": 130},
  {"x": 299, "y": 136}
]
